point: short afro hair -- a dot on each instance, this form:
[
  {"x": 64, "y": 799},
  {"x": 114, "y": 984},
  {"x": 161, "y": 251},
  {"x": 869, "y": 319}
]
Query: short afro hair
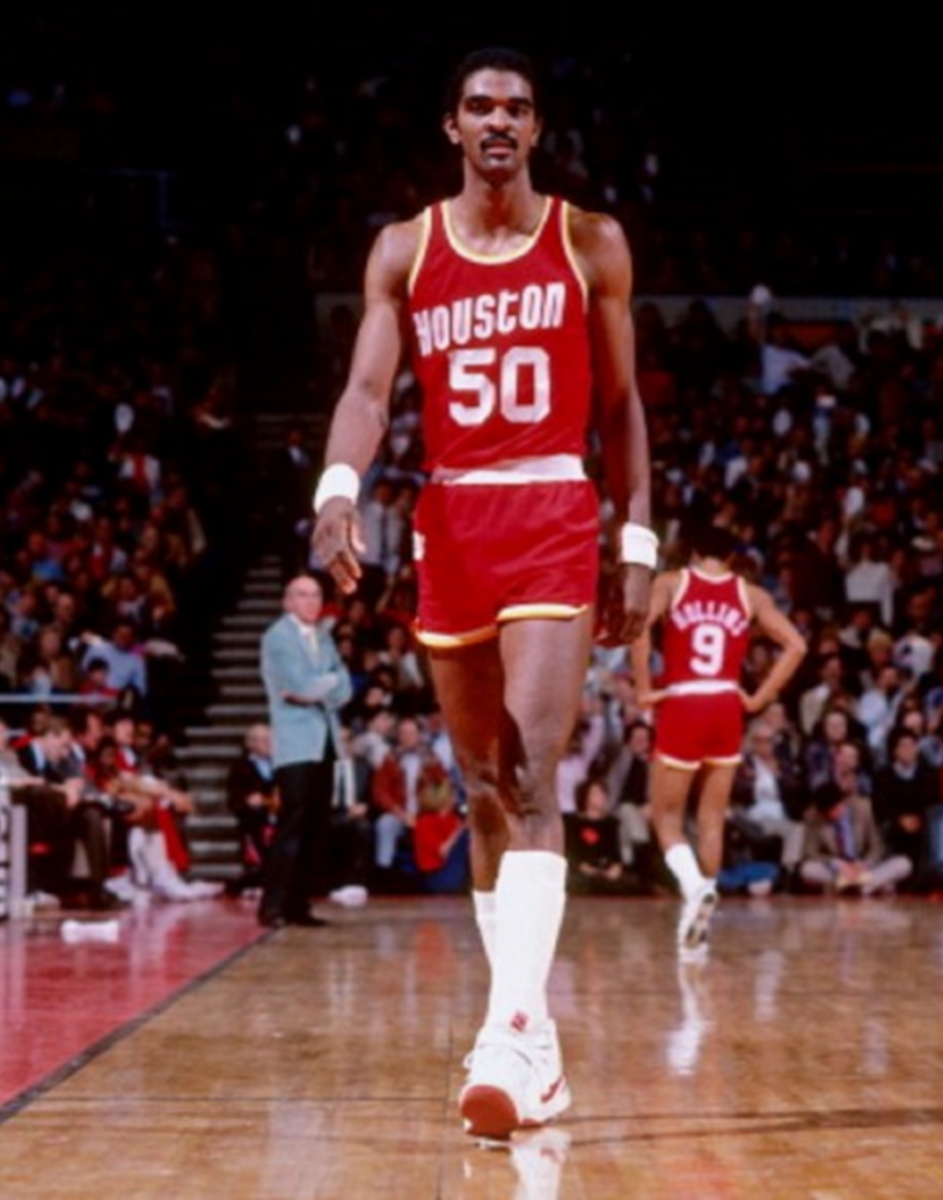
[{"x": 495, "y": 58}]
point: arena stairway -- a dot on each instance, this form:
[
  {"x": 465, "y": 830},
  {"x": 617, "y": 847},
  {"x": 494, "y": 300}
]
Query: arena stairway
[
  {"x": 212, "y": 746},
  {"x": 213, "y": 741}
]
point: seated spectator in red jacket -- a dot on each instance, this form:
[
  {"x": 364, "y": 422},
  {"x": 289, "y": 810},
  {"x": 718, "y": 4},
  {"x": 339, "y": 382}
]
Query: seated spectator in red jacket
[{"x": 440, "y": 836}]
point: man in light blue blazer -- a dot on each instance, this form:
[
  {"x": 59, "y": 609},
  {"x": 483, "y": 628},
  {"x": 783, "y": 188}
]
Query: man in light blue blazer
[{"x": 307, "y": 683}]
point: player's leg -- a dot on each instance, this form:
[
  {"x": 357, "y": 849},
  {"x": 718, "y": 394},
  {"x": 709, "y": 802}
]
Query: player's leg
[
  {"x": 713, "y": 800},
  {"x": 670, "y": 787},
  {"x": 544, "y": 669},
  {"x": 469, "y": 687},
  {"x": 516, "y": 1075}
]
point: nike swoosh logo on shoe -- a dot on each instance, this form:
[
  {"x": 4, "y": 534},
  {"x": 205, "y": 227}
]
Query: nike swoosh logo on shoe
[{"x": 552, "y": 1090}]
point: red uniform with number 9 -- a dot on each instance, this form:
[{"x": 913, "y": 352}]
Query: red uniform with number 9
[{"x": 706, "y": 635}]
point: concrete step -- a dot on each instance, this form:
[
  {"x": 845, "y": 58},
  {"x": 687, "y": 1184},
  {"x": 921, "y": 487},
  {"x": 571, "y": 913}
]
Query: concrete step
[
  {"x": 250, "y": 713},
  {"x": 244, "y": 656},
  {"x": 198, "y": 735},
  {"x": 203, "y": 777},
  {"x": 212, "y": 806},
  {"x": 214, "y": 850},
  {"x": 264, "y": 591},
  {"x": 204, "y": 850},
  {"x": 250, "y": 605},
  {"x": 236, "y": 639},
  {"x": 243, "y": 691},
  {"x": 216, "y": 872},
  {"x": 219, "y": 810},
  {"x": 210, "y": 826},
  {"x": 211, "y": 795},
  {"x": 243, "y": 673},
  {"x": 202, "y": 756},
  {"x": 244, "y": 622}
]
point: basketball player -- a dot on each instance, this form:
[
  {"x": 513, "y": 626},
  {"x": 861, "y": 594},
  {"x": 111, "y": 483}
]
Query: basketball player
[
  {"x": 706, "y": 613},
  {"x": 514, "y": 307}
]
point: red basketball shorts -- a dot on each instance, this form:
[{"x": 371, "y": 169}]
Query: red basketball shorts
[
  {"x": 488, "y": 553},
  {"x": 695, "y": 729}
]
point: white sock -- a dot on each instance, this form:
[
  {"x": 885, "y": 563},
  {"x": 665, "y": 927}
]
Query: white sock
[
  {"x": 486, "y": 920},
  {"x": 529, "y": 900},
  {"x": 683, "y": 865}
]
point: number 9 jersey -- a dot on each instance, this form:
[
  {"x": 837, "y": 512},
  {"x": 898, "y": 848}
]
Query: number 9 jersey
[
  {"x": 500, "y": 345},
  {"x": 706, "y": 636},
  {"x": 707, "y": 633}
]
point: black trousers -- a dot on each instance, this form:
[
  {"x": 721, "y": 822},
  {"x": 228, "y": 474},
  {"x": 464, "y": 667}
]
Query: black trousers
[
  {"x": 296, "y": 863},
  {"x": 57, "y": 827}
]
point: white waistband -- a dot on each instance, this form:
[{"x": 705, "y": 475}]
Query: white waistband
[
  {"x": 701, "y": 687},
  {"x": 546, "y": 468}
]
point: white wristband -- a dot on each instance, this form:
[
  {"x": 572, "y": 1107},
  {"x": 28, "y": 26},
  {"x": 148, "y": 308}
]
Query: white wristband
[
  {"x": 339, "y": 480},
  {"x": 638, "y": 545}
]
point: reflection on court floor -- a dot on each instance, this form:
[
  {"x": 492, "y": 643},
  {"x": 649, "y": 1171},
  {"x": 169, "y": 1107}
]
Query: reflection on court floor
[{"x": 804, "y": 1057}]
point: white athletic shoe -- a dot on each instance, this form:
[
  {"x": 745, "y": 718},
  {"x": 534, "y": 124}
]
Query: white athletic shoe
[
  {"x": 170, "y": 886},
  {"x": 696, "y": 917},
  {"x": 515, "y": 1080},
  {"x": 204, "y": 889},
  {"x": 124, "y": 888}
]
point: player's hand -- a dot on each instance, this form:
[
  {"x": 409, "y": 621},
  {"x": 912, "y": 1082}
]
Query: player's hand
[
  {"x": 338, "y": 539},
  {"x": 650, "y": 698},
  {"x": 750, "y": 703},
  {"x": 636, "y": 591}
]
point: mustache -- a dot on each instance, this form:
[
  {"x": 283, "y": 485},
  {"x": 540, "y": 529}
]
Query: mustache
[{"x": 499, "y": 139}]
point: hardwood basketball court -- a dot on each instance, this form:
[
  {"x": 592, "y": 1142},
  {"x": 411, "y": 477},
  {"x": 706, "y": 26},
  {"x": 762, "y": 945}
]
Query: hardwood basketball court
[{"x": 805, "y": 1059}]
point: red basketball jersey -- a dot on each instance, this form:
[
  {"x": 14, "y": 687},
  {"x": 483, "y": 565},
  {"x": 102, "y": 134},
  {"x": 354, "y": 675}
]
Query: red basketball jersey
[
  {"x": 706, "y": 633},
  {"x": 500, "y": 345}
]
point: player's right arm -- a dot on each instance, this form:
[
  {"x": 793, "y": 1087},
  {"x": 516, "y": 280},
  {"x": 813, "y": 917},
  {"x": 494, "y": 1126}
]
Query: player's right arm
[
  {"x": 362, "y": 414},
  {"x": 663, "y": 588}
]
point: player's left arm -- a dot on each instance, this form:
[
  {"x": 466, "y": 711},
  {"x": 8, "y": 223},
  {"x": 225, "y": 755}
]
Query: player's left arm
[
  {"x": 659, "y": 604},
  {"x": 779, "y": 629},
  {"x": 603, "y": 255}
]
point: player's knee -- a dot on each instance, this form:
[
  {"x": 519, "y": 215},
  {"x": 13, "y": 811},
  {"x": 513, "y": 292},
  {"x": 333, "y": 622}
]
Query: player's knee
[
  {"x": 532, "y": 796},
  {"x": 485, "y": 810}
]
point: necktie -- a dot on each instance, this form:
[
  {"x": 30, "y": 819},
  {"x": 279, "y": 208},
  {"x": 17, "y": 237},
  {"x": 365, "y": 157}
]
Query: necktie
[
  {"x": 384, "y": 537},
  {"x": 844, "y": 837}
]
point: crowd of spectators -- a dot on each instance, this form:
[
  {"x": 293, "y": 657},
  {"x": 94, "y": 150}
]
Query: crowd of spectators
[
  {"x": 290, "y": 145},
  {"x": 118, "y": 455},
  {"x": 106, "y": 806},
  {"x": 129, "y": 324},
  {"x": 825, "y": 461},
  {"x": 122, "y": 495}
]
